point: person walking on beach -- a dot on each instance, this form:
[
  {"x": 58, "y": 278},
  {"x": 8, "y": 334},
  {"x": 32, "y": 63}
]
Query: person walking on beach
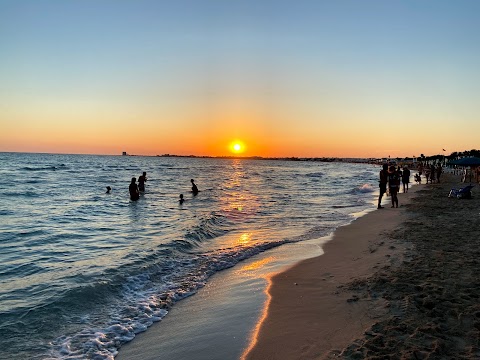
[
  {"x": 405, "y": 178},
  {"x": 420, "y": 169},
  {"x": 432, "y": 173},
  {"x": 133, "y": 189},
  {"x": 141, "y": 182},
  {"x": 439, "y": 172},
  {"x": 399, "y": 174},
  {"x": 393, "y": 185},
  {"x": 194, "y": 187},
  {"x": 382, "y": 183},
  {"x": 427, "y": 173}
]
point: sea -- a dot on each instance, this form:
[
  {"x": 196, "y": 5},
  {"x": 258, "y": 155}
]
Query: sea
[{"x": 83, "y": 271}]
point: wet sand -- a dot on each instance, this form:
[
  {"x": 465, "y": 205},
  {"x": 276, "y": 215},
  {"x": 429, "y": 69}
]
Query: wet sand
[
  {"x": 395, "y": 284},
  {"x": 217, "y": 322}
]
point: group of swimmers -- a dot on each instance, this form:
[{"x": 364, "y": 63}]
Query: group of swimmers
[
  {"x": 135, "y": 189},
  {"x": 194, "y": 192}
]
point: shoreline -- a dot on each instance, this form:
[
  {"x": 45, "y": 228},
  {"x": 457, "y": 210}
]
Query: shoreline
[
  {"x": 414, "y": 297},
  {"x": 311, "y": 311},
  {"x": 221, "y": 315},
  {"x": 226, "y": 311},
  {"x": 248, "y": 313},
  {"x": 156, "y": 342}
]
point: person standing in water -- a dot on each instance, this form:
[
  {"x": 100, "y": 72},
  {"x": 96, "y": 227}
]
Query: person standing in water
[
  {"x": 194, "y": 187},
  {"x": 181, "y": 200},
  {"x": 133, "y": 189},
  {"x": 382, "y": 184},
  {"x": 141, "y": 182}
]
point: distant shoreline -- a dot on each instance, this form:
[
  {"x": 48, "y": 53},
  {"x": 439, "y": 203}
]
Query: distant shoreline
[
  {"x": 233, "y": 157},
  {"x": 409, "y": 161}
]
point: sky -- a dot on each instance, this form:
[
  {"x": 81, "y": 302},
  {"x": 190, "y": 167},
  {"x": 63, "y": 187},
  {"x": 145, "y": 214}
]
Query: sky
[{"x": 343, "y": 78}]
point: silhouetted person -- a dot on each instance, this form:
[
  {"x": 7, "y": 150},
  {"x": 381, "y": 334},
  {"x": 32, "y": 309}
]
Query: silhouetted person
[
  {"x": 108, "y": 190},
  {"x": 141, "y": 182},
  {"x": 382, "y": 184},
  {"x": 439, "y": 172},
  {"x": 194, "y": 188},
  {"x": 405, "y": 179},
  {"x": 418, "y": 178},
  {"x": 393, "y": 185},
  {"x": 432, "y": 173},
  {"x": 427, "y": 173},
  {"x": 133, "y": 188},
  {"x": 182, "y": 200}
]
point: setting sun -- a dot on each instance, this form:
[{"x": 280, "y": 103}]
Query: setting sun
[{"x": 237, "y": 147}]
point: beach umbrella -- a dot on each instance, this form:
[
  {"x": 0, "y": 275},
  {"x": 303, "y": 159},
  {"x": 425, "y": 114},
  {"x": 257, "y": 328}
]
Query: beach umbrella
[{"x": 467, "y": 161}]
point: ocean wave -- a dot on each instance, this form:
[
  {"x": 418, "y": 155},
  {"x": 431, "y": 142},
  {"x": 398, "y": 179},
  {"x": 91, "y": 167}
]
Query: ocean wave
[
  {"x": 317, "y": 174},
  {"x": 19, "y": 270},
  {"x": 347, "y": 206},
  {"x": 208, "y": 228},
  {"x": 144, "y": 298},
  {"x": 34, "y": 181},
  {"x": 27, "y": 194},
  {"x": 365, "y": 188},
  {"x": 43, "y": 168}
]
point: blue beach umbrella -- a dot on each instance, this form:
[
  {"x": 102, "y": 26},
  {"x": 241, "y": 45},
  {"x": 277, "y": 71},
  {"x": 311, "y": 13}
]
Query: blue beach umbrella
[
  {"x": 467, "y": 161},
  {"x": 472, "y": 161}
]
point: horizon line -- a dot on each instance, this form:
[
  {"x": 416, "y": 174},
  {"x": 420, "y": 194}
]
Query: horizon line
[{"x": 251, "y": 157}]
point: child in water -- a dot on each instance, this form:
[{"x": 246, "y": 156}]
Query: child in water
[{"x": 182, "y": 200}]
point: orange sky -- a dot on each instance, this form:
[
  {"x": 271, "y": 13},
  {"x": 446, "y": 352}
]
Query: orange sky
[{"x": 153, "y": 79}]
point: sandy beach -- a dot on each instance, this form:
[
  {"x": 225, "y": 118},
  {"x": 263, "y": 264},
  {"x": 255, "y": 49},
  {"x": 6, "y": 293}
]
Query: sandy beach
[{"x": 395, "y": 284}]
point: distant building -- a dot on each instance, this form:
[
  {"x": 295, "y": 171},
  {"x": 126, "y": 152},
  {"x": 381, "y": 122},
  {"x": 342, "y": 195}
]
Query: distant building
[{"x": 124, "y": 153}]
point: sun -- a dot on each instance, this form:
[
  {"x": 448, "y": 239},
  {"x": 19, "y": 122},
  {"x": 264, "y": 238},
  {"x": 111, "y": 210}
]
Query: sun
[{"x": 237, "y": 147}]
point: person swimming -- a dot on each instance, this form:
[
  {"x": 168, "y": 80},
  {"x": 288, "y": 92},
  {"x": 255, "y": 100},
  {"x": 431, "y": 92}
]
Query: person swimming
[
  {"x": 194, "y": 187},
  {"x": 181, "y": 200},
  {"x": 133, "y": 189}
]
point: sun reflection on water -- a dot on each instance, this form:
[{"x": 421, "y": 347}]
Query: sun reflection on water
[
  {"x": 257, "y": 264},
  {"x": 244, "y": 238},
  {"x": 239, "y": 201}
]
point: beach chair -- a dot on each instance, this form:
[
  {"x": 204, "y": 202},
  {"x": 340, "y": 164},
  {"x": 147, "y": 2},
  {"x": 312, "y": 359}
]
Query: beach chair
[{"x": 464, "y": 193}]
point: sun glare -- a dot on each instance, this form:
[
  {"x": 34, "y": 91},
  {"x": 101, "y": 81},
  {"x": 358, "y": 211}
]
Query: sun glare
[{"x": 237, "y": 147}]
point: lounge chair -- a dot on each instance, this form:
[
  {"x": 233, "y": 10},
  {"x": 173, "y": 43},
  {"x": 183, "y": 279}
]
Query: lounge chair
[{"x": 464, "y": 193}]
